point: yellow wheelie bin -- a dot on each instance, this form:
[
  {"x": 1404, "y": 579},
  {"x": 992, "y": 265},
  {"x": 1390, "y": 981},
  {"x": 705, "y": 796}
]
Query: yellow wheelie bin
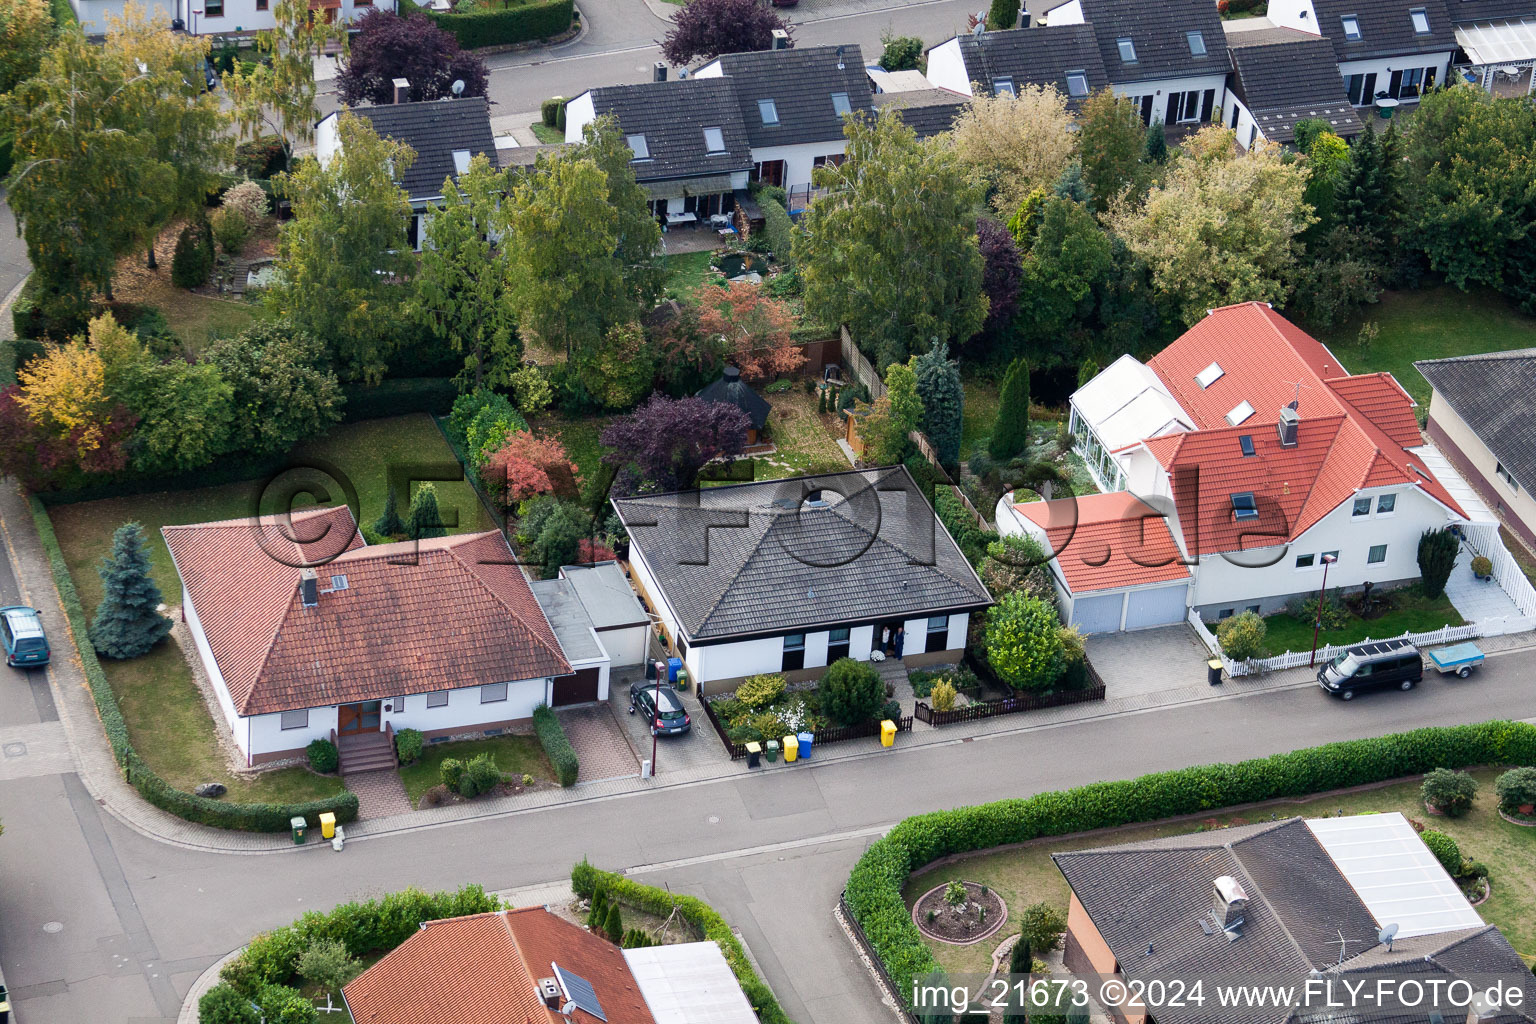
[
  {"x": 791, "y": 748},
  {"x": 887, "y": 733}
]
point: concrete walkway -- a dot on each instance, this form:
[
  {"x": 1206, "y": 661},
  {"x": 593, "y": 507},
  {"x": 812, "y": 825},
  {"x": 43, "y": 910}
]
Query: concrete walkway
[{"x": 1477, "y": 599}]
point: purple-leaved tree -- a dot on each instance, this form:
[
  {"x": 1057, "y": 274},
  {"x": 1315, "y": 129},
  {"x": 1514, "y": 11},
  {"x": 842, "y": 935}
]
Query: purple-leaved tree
[
  {"x": 704, "y": 29},
  {"x": 388, "y": 47},
  {"x": 668, "y": 440},
  {"x": 1001, "y": 273}
]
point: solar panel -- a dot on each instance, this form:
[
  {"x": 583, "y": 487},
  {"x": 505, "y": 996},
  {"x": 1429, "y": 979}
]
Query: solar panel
[{"x": 579, "y": 991}]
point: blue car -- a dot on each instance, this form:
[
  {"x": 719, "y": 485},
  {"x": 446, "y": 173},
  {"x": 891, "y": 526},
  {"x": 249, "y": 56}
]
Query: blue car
[{"x": 21, "y": 633}]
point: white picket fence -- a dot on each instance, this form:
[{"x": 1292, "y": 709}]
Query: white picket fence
[
  {"x": 1296, "y": 659},
  {"x": 1484, "y": 539}
]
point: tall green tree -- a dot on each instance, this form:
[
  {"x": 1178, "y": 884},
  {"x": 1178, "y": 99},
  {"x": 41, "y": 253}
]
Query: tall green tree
[
  {"x": 464, "y": 283},
  {"x": 1003, "y": 14},
  {"x": 342, "y": 258},
  {"x": 425, "y": 518},
  {"x": 128, "y": 622},
  {"x": 642, "y": 263},
  {"x": 884, "y": 431},
  {"x": 1020, "y": 962},
  {"x": 1368, "y": 195},
  {"x": 1326, "y": 161},
  {"x": 943, "y": 400},
  {"x": 1111, "y": 140},
  {"x": 1010, "y": 431},
  {"x": 26, "y": 30},
  {"x": 568, "y": 284},
  {"x": 282, "y": 391},
  {"x": 1070, "y": 257},
  {"x": 278, "y": 93},
  {"x": 389, "y": 523},
  {"x": 890, "y": 250}
]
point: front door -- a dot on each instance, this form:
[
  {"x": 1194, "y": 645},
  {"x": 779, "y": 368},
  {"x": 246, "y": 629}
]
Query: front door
[{"x": 364, "y": 717}]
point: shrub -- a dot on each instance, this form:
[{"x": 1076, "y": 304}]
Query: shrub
[
  {"x": 230, "y": 231},
  {"x": 192, "y": 263},
  {"x": 450, "y": 771},
  {"x": 954, "y": 893},
  {"x": 851, "y": 692},
  {"x": 613, "y": 924},
  {"x": 700, "y": 916},
  {"x": 480, "y": 775},
  {"x": 1437, "y": 557},
  {"x": 502, "y": 26},
  {"x": 1327, "y": 609},
  {"x": 757, "y": 692},
  {"x": 556, "y": 746},
  {"x": 1042, "y": 925},
  {"x": 1448, "y": 792},
  {"x": 1445, "y": 850},
  {"x": 407, "y": 745},
  {"x": 549, "y": 110},
  {"x": 223, "y": 1005},
  {"x": 1516, "y": 788},
  {"x": 260, "y": 158},
  {"x": 249, "y": 200},
  {"x": 328, "y": 965},
  {"x": 942, "y": 698},
  {"x": 1023, "y": 642},
  {"x": 1242, "y": 636},
  {"x": 1474, "y": 869},
  {"x": 283, "y": 1005},
  {"x": 323, "y": 756},
  {"x": 1482, "y": 566},
  {"x": 901, "y": 53}
]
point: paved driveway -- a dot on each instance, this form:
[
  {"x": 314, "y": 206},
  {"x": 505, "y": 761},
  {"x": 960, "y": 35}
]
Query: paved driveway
[
  {"x": 599, "y": 741},
  {"x": 1148, "y": 660},
  {"x": 699, "y": 746}
]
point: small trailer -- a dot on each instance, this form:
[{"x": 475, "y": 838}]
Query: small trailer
[{"x": 1458, "y": 658}]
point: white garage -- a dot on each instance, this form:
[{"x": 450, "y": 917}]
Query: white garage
[
  {"x": 1097, "y": 613},
  {"x": 618, "y": 617},
  {"x": 1159, "y": 606}
]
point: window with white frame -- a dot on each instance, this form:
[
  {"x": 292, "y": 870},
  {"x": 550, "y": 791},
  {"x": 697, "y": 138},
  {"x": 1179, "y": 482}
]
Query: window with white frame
[
  {"x": 1362, "y": 508},
  {"x": 1330, "y": 556},
  {"x": 1002, "y": 86},
  {"x": 1306, "y": 561},
  {"x": 840, "y": 104},
  {"x": 295, "y": 719},
  {"x": 1351, "y": 27},
  {"x": 714, "y": 141},
  {"x": 1386, "y": 504},
  {"x": 1378, "y": 553},
  {"x": 437, "y": 699},
  {"x": 638, "y": 146},
  {"x": 1077, "y": 84},
  {"x": 491, "y": 693},
  {"x": 768, "y": 111},
  {"x": 1196, "y": 43}
]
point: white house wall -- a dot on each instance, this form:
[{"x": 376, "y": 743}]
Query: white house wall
[
  {"x": 220, "y": 688},
  {"x": 1519, "y": 503},
  {"x": 1383, "y": 68},
  {"x": 1219, "y": 584},
  {"x": 799, "y": 159},
  {"x": 1240, "y": 119},
  {"x": 579, "y": 113},
  {"x": 946, "y": 68},
  {"x": 1161, "y": 88},
  {"x": 1296, "y": 14},
  {"x": 327, "y": 142},
  {"x": 240, "y": 16},
  {"x": 267, "y": 735},
  {"x": 626, "y": 646}
]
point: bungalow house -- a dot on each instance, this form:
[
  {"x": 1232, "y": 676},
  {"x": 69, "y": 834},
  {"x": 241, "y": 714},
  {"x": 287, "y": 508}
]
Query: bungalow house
[
  {"x": 528, "y": 966},
  {"x": 306, "y": 632},
  {"x": 1482, "y": 416},
  {"x": 444, "y": 134},
  {"x": 1392, "y": 49},
  {"x": 1281, "y": 903},
  {"x": 1266, "y": 459},
  {"x": 1496, "y": 42},
  {"x": 732, "y": 390},
  {"x": 1281, "y": 76},
  {"x": 791, "y": 575}
]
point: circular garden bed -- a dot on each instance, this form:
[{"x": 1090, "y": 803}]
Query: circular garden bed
[{"x": 939, "y": 914}]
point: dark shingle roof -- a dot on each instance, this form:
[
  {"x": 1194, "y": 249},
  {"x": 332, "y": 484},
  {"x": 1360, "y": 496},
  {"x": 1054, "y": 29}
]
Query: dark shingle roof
[
  {"x": 1159, "y": 36},
  {"x": 1386, "y": 27},
  {"x": 751, "y": 559},
  {"x": 1284, "y": 76},
  {"x": 435, "y": 129},
  {"x": 1466, "y": 11},
  {"x": 731, "y": 389},
  {"x": 672, "y": 116},
  {"x": 1495, "y": 394},
  {"x": 926, "y": 111},
  {"x": 1035, "y": 56},
  {"x": 801, "y": 83}
]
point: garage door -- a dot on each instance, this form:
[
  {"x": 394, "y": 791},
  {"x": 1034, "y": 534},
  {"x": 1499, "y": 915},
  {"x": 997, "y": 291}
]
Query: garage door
[
  {"x": 580, "y": 688},
  {"x": 1099, "y": 614},
  {"x": 1163, "y": 606}
]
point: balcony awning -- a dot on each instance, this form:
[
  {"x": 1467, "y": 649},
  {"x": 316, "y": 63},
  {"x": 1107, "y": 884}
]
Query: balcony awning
[
  {"x": 707, "y": 186},
  {"x": 1498, "y": 42}
]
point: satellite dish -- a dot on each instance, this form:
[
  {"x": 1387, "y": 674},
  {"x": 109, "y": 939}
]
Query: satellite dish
[
  {"x": 1386, "y": 935},
  {"x": 981, "y": 26},
  {"x": 458, "y": 87}
]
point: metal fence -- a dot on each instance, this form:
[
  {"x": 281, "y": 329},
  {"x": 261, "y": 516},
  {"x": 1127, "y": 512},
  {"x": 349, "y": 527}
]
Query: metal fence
[{"x": 1010, "y": 705}]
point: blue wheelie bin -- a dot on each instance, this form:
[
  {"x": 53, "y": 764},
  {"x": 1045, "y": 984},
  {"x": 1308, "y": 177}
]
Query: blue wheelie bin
[{"x": 804, "y": 739}]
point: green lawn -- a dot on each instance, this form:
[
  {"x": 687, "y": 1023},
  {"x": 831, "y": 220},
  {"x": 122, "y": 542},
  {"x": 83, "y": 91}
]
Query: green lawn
[
  {"x": 980, "y": 412},
  {"x": 1415, "y": 614},
  {"x": 687, "y": 272},
  {"x": 1430, "y": 323},
  {"x": 545, "y": 134},
  {"x": 515, "y": 755},
  {"x": 803, "y": 439},
  {"x": 580, "y": 437},
  {"x": 1025, "y": 875},
  {"x": 168, "y": 721}
]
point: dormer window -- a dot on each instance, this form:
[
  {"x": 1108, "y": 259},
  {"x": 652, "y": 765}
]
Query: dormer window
[
  {"x": 460, "y": 161},
  {"x": 1196, "y": 43},
  {"x": 1003, "y": 87},
  {"x": 840, "y": 104},
  {"x": 1244, "y": 507},
  {"x": 1239, "y": 413},
  {"x": 1351, "y": 27},
  {"x": 1127, "y": 49},
  {"x": 1208, "y": 376},
  {"x": 768, "y": 111},
  {"x": 638, "y": 147},
  {"x": 714, "y": 141},
  {"x": 1420, "y": 21},
  {"x": 1077, "y": 84}
]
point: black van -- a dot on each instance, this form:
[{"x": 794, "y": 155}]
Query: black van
[{"x": 1372, "y": 667}]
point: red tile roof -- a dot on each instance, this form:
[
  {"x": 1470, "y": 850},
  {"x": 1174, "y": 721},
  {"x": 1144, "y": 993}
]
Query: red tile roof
[
  {"x": 1354, "y": 431},
  {"x": 412, "y": 618},
  {"x": 483, "y": 969},
  {"x": 1107, "y": 541}
]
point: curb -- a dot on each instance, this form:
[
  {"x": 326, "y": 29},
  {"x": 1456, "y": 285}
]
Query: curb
[{"x": 204, "y": 982}]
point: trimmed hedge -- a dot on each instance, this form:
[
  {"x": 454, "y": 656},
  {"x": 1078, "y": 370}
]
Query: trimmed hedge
[
  {"x": 561, "y": 754},
  {"x": 245, "y": 817},
  {"x": 399, "y": 396},
  {"x": 538, "y": 19},
  {"x": 873, "y": 892},
  {"x": 586, "y": 879}
]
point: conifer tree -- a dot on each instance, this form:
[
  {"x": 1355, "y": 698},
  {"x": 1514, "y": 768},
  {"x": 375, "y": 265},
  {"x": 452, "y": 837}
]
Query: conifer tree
[
  {"x": 425, "y": 519},
  {"x": 943, "y": 398},
  {"x": 614, "y": 926},
  {"x": 127, "y": 622},
  {"x": 1010, "y": 432},
  {"x": 389, "y": 524}
]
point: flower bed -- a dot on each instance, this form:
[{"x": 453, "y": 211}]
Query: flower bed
[
  {"x": 828, "y": 734},
  {"x": 976, "y": 915}
]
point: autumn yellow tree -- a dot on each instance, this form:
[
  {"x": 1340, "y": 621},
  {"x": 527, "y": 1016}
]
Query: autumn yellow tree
[
  {"x": 64, "y": 392},
  {"x": 1015, "y": 144},
  {"x": 26, "y": 29}
]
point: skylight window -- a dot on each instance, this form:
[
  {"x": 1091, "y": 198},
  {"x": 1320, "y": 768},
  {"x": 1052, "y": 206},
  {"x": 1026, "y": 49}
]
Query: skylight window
[
  {"x": 638, "y": 147},
  {"x": 1196, "y": 43},
  {"x": 1351, "y": 26},
  {"x": 714, "y": 141},
  {"x": 1077, "y": 84},
  {"x": 1420, "y": 21},
  {"x": 1244, "y": 507},
  {"x": 1127, "y": 49},
  {"x": 1003, "y": 87},
  {"x": 1208, "y": 376},
  {"x": 460, "y": 161},
  {"x": 769, "y": 111},
  {"x": 1246, "y": 442},
  {"x": 1240, "y": 412},
  {"x": 840, "y": 104}
]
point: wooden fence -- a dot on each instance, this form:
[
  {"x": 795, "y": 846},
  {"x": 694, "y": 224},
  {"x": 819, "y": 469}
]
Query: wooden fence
[{"x": 864, "y": 730}]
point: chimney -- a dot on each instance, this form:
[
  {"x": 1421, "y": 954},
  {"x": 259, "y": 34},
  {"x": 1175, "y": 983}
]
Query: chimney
[
  {"x": 780, "y": 39},
  {"x": 1287, "y": 425},
  {"x": 549, "y": 993},
  {"x": 309, "y": 588},
  {"x": 402, "y": 90},
  {"x": 731, "y": 374},
  {"x": 1023, "y": 18},
  {"x": 1230, "y": 901},
  {"x": 659, "y": 71}
]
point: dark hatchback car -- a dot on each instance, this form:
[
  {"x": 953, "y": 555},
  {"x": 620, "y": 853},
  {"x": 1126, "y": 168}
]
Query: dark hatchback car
[
  {"x": 1393, "y": 665},
  {"x": 21, "y": 634},
  {"x": 667, "y": 719}
]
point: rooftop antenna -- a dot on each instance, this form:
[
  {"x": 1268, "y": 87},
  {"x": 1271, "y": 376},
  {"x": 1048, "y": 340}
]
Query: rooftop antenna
[
  {"x": 1296, "y": 402},
  {"x": 1343, "y": 942},
  {"x": 458, "y": 87},
  {"x": 839, "y": 58},
  {"x": 1386, "y": 935}
]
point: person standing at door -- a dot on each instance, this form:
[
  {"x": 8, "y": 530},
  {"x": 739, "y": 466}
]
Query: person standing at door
[
  {"x": 899, "y": 640},
  {"x": 885, "y": 639}
]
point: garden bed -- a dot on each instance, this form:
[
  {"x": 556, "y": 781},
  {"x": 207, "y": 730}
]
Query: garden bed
[
  {"x": 830, "y": 734},
  {"x": 516, "y": 756},
  {"x": 977, "y": 916}
]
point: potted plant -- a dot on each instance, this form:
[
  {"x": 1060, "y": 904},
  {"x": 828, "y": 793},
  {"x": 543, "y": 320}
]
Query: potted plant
[{"x": 1482, "y": 568}]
